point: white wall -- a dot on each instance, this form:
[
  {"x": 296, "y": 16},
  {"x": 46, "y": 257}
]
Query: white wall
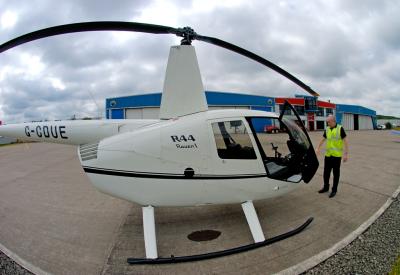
[
  {"x": 348, "y": 121},
  {"x": 227, "y": 107},
  {"x": 365, "y": 123},
  {"x": 154, "y": 112},
  {"x": 142, "y": 113}
]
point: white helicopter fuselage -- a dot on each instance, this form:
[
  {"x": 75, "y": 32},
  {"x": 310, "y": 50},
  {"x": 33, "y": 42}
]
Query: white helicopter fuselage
[
  {"x": 172, "y": 162},
  {"x": 147, "y": 166}
]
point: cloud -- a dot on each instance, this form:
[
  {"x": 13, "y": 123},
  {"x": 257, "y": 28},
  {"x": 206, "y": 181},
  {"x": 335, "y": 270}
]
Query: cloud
[
  {"x": 8, "y": 19},
  {"x": 346, "y": 50}
]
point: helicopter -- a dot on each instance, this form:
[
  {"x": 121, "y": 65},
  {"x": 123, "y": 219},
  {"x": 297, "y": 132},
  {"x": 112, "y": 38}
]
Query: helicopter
[{"x": 190, "y": 156}]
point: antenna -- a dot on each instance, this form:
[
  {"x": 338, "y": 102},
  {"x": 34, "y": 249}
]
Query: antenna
[{"x": 95, "y": 103}]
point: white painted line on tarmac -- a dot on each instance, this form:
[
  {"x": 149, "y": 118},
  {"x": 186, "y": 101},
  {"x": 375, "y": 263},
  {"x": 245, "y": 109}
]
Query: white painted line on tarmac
[
  {"x": 25, "y": 264},
  {"x": 322, "y": 256}
]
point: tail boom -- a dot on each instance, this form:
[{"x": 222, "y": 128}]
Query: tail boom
[{"x": 73, "y": 132}]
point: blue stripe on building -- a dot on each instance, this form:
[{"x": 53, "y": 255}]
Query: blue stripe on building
[
  {"x": 232, "y": 99},
  {"x": 115, "y": 107},
  {"x": 117, "y": 113},
  {"x": 213, "y": 98}
]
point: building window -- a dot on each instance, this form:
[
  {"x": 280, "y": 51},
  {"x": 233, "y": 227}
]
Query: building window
[
  {"x": 329, "y": 111},
  {"x": 299, "y": 109},
  {"x": 320, "y": 111},
  {"x": 287, "y": 112},
  {"x": 310, "y": 104},
  {"x": 233, "y": 140}
]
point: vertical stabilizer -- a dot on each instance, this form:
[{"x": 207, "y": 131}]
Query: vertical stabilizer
[{"x": 183, "y": 91}]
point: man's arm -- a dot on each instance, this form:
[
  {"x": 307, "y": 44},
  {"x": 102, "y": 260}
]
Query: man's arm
[
  {"x": 346, "y": 150},
  {"x": 319, "y": 145}
]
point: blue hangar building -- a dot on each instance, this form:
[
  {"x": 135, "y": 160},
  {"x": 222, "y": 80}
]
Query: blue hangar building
[
  {"x": 352, "y": 117},
  {"x": 147, "y": 106}
]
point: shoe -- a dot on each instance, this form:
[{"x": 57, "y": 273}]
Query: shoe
[
  {"x": 332, "y": 194},
  {"x": 323, "y": 190}
]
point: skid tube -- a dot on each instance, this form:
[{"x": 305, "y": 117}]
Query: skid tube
[{"x": 211, "y": 255}]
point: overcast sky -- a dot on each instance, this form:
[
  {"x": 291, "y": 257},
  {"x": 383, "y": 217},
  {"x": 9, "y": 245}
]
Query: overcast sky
[{"x": 348, "y": 51}]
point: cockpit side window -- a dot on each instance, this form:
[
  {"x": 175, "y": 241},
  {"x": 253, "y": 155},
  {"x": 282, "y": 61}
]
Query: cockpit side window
[{"x": 233, "y": 140}]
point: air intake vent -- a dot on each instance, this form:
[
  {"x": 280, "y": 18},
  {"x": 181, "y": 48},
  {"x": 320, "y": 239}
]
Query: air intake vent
[{"x": 88, "y": 151}]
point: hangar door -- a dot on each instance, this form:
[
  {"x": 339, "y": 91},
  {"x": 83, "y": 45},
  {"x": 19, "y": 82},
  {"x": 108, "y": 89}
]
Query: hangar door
[
  {"x": 348, "y": 121},
  {"x": 357, "y": 122},
  {"x": 142, "y": 113},
  {"x": 365, "y": 122}
]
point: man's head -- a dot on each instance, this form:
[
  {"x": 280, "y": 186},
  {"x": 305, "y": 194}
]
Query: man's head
[{"x": 331, "y": 120}]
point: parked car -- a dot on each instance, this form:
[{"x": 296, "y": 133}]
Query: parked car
[
  {"x": 381, "y": 127},
  {"x": 271, "y": 129}
]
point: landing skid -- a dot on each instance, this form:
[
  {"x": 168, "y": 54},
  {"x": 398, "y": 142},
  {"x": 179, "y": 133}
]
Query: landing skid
[{"x": 221, "y": 253}]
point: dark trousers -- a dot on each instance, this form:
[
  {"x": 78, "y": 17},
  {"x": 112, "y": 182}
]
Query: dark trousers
[{"x": 332, "y": 163}]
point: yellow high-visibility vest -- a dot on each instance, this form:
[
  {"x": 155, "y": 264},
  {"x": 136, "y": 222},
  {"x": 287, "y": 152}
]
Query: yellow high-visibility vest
[{"x": 334, "y": 143}]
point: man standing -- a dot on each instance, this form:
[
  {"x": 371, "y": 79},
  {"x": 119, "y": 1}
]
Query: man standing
[{"x": 335, "y": 137}]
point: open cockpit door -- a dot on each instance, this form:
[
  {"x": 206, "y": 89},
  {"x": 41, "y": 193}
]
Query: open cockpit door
[
  {"x": 285, "y": 146},
  {"x": 301, "y": 143}
]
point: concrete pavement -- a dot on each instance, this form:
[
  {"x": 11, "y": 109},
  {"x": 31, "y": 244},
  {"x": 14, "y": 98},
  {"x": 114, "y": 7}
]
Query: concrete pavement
[{"x": 51, "y": 216}]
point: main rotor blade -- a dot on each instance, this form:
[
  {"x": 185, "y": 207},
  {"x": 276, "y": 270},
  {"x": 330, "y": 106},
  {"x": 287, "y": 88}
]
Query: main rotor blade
[
  {"x": 87, "y": 26},
  {"x": 253, "y": 56},
  {"x": 187, "y": 33}
]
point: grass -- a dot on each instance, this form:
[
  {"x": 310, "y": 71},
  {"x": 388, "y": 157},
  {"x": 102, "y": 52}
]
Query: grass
[
  {"x": 3, "y": 145},
  {"x": 385, "y": 117},
  {"x": 396, "y": 268}
]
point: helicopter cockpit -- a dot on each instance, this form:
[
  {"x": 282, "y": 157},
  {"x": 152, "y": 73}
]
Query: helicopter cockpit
[{"x": 283, "y": 146}]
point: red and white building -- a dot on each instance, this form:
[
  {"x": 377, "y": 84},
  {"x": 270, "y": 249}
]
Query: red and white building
[{"x": 312, "y": 112}]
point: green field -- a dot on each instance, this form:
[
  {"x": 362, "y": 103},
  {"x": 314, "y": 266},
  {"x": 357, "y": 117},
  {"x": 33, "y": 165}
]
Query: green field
[{"x": 396, "y": 268}]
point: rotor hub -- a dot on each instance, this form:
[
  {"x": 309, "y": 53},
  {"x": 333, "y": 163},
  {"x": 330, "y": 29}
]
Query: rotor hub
[{"x": 188, "y": 35}]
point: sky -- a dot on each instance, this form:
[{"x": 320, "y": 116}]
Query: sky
[{"x": 347, "y": 51}]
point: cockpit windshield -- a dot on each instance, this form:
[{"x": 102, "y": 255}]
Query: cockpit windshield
[{"x": 296, "y": 132}]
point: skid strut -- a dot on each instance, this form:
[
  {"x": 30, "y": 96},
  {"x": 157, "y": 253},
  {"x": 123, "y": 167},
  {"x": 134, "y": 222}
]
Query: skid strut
[
  {"x": 149, "y": 230},
  {"x": 252, "y": 220}
]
